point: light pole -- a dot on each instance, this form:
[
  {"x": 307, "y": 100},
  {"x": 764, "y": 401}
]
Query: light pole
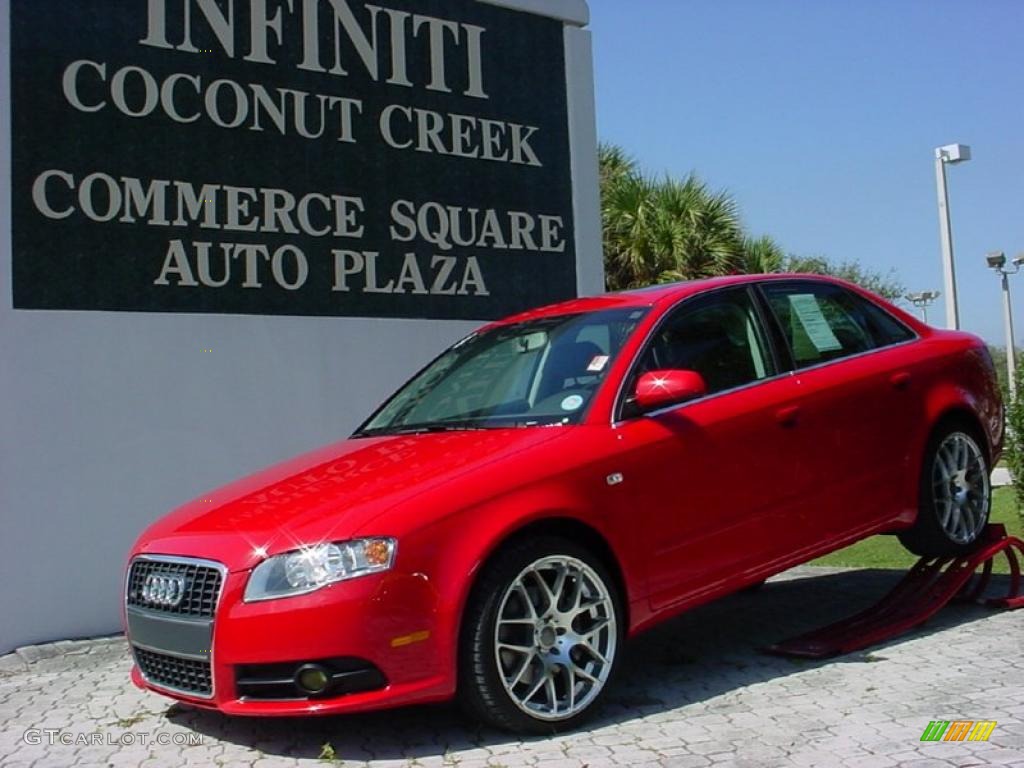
[
  {"x": 997, "y": 262},
  {"x": 949, "y": 154},
  {"x": 922, "y": 300}
]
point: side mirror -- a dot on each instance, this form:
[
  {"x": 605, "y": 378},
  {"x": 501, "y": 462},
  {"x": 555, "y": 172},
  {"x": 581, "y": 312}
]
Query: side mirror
[{"x": 658, "y": 389}]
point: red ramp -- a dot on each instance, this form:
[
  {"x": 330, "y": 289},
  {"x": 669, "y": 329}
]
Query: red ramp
[{"x": 929, "y": 585}]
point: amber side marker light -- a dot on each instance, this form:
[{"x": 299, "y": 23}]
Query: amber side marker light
[{"x": 415, "y": 637}]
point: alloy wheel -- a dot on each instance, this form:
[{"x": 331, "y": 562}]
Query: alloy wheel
[
  {"x": 961, "y": 485},
  {"x": 555, "y": 637}
]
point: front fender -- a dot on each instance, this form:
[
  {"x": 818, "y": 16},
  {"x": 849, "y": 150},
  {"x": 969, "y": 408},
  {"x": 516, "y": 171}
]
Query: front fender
[{"x": 449, "y": 553}]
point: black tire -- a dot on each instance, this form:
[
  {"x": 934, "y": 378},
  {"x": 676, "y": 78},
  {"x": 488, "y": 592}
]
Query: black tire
[
  {"x": 928, "y": 537},
  {"x": 482, "y": 692}
]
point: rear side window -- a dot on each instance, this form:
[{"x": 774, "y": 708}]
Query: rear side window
[{"x": 824, "y": 322}]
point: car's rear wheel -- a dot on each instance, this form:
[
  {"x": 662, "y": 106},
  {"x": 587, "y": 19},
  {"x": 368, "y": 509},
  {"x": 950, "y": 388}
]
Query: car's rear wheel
[
  {"x": 955, "y": 496},
  {"x": 541, "y": 637}
]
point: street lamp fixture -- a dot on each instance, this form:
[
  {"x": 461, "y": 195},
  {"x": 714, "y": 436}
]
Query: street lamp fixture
[
  {"x": 950, "y": 154},
  {"x": 922, "y": 300},
  {"x": 996, "y": 261},
  {"x": 954, "y": 153}
]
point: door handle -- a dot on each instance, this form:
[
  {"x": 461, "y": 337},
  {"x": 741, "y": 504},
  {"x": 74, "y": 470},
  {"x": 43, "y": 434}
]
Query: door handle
[
  {"x": 900, "y": 380},
  {"x": 787, "y": 417}
]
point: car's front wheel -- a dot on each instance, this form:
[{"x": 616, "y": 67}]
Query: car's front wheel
[
  {"x": 955, "y": 496},
  {"x": 541, "y": 637}
]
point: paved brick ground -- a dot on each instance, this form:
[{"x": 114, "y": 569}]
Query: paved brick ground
[{"x": 693, "y": 693}]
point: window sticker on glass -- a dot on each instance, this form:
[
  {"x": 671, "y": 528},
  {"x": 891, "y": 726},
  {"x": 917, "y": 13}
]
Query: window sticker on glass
[
  {"x": 805, "y": 307},
  {"x": 598, "y": 363}
]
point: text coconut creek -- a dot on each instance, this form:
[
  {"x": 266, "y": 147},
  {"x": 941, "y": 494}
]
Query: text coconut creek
[{"x": 220, "y": 207}]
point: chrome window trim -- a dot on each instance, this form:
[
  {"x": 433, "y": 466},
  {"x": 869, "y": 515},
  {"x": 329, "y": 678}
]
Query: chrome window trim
[
  {"x": 178, "y": 560},
  {"x": 858, "y": 355},
  {"x": 756, "y": 285},
  {"x": 795, "y": 372},
  {"x": 696, "y": 400}
]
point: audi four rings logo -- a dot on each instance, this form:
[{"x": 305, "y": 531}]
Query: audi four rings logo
[{"x": 163, "y": 590}]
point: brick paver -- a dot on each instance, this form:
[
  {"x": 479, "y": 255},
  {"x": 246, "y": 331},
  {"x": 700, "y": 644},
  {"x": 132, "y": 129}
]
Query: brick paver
[{"x": 694, "y": 692}]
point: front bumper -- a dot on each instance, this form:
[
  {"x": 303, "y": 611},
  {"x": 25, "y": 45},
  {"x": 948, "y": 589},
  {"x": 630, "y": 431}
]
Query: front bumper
[{"x": 393, "y": 621}]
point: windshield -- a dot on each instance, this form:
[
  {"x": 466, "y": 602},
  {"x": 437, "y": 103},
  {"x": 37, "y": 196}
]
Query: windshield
[{"x": 540, "y": 372}]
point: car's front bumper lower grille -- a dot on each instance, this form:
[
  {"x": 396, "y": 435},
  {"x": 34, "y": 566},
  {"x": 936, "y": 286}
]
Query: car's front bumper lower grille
[{"x": 188, "y": 676}]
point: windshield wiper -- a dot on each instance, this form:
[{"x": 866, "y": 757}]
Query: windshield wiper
[{"x": 420, "y": 429}]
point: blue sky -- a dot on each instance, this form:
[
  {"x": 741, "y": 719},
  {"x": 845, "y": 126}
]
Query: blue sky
[{"x": 821, "y": 118}]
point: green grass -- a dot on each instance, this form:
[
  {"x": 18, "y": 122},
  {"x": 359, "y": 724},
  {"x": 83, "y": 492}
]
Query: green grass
[{"x": 887, "y": 552}]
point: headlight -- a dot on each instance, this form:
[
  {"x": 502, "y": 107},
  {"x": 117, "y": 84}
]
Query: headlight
[{"x": 309, "y": 568}]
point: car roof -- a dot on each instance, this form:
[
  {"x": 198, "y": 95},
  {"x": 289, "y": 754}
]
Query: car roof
[{"x": 653, "y": 295}]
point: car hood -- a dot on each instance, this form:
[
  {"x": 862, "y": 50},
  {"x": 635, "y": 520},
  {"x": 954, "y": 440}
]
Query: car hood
[{"x": 327, "y": 494}]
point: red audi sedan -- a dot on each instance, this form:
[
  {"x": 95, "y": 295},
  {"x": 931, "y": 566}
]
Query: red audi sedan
[{"x": 555, "y": 483}]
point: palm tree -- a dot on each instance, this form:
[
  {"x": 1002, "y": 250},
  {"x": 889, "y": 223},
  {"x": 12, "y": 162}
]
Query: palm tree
[
  {"x": 701, "y": 230},
  {"x": 614, "y": 163},
  {"x": 761, "y": 256},
  {"x": 658, "y": 231}
]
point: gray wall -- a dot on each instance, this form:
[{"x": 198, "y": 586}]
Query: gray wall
[{"x": 109, "y": 419}]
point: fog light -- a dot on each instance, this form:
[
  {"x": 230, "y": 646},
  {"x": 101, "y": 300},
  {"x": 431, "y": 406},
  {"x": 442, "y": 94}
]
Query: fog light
[{"x": 312, "y": 678}]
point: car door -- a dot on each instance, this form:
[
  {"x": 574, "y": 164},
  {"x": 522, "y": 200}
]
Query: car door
[
  {"x": 858, "y": 402},
  {"x": 707, "y": 480}
]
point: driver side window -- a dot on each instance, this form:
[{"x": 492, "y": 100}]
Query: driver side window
[{"x": 718, "y": 336}]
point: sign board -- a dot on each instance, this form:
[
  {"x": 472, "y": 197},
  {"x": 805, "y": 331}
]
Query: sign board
[{"x": 401, "y": 158}]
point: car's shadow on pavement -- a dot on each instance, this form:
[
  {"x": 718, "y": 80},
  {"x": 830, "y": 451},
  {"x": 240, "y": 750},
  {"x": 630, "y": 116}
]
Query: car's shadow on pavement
[{"x": 706, "y": 652}]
